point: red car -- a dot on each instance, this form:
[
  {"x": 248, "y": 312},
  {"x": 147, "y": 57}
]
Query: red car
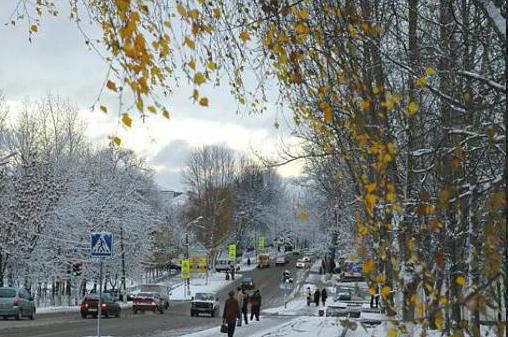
[{"x": 148, "y": 302}]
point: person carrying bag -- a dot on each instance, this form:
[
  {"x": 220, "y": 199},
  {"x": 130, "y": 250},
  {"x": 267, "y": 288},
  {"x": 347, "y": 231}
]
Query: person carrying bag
[{"x": 230, "y": 315}]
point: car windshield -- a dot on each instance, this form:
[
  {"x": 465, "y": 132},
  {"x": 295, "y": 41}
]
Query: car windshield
[
  {"x": 7, "y": 293},
  {"x": 247, "y": 280},
  {"x": 151, "y": 295},
  {"x": 204, "y": 297}
]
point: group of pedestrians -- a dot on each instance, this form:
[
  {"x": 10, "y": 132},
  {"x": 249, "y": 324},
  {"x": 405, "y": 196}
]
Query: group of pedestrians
[
  {"x": 236, "y": 306},
  {"x": 317, "y": 295}
]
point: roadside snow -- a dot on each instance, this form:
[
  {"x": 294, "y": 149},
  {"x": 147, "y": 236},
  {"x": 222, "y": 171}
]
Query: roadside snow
[
  {"x": 72, "y": 308},
  {"x": 318, "y": 327}
]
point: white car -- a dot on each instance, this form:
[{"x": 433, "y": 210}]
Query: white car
[
  {"x": 306, "y": 259},
  {"x": 371, "y": 316},
  {"x": 281, "y": 260},
  {"x": 301, "y": 263}
]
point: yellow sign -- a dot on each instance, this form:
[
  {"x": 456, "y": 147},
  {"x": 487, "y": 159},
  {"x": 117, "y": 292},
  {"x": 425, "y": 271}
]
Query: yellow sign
[
  {"x": 185, "y": 272},
  {"x": 232, "y": 251},
  {"x": 198, "y": 264},
  {"x": 261, "y": 243}
]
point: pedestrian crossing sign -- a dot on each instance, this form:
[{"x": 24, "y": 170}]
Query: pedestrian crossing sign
[{"x": 101, "y": 244}]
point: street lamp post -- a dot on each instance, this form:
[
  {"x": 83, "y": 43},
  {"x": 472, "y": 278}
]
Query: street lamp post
[{"x": 187, "y": 255}]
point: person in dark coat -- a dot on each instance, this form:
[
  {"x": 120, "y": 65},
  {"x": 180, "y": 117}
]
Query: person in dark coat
[
  {"x": 245, "y": 304},
  {"x": 324, "y": 296},
  {"x": 317, "y": 295},
  {"x": 231, "y": 313},
  {"x": 255, "y": 305}
]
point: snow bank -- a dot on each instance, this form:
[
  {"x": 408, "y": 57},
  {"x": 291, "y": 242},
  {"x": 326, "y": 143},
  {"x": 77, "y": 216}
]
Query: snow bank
[{"x": 216, "y": 282}]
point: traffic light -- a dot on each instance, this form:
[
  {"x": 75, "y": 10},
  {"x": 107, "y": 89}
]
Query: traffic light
[{"x": 76, "y": 269}]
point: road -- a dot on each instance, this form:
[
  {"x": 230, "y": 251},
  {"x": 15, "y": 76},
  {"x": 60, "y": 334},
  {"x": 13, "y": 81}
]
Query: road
[{"x": 174, "y": 322}]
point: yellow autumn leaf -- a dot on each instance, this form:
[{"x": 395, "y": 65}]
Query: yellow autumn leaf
[
  {"x": 371, "y": 187},
  {"x": 216, "y": 13},
  {"x": 189, "y": 43},
  {"x": 244, "y": 36},
  {"x": 193, "y": 13},
  {"x": 412, "y": 108},
  {"x": 386, "y": 290},
  {"x": 460, "y": 280},
  {"x": 181, "y": 10},
  {"x": 111, "y": 85},
  {"x": 443, "y": 300},
  {"x": 439, "y": 322},
  {"x": 117, "y": 141},
  {"x": 392, "y": 332},
  {"x": 126, "y": 120},
  {"x": 104, "y": 109},
  {"x": 304, "y": 216},
  {"x": 304, "y": 14},
  {"x": 429, "y": 71},
  {"x": 139, "y": 104},
  {"x": 276, "y": 125},
  {"x": 34, "y": 28},
  {"x": 192, "y": 64},
  {"x": 199, "y": 78},
  {"x": 421, "y": 81},
  {"x": 212, "y": 65},
  {"x": 152, "y": 109},
  {"x": 368, "y": 266},
  {"x": 302, "y": 28},
  {"x": 203, "y": 101},
  {"x": 165, "y": 113}
]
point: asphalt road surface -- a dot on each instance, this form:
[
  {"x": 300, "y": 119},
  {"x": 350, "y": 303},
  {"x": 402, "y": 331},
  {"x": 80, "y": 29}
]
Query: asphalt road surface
[{"x": 173, "y": 322}]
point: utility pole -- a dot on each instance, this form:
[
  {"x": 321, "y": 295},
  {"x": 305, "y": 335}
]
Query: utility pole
[{"x": 187, "y": 257}]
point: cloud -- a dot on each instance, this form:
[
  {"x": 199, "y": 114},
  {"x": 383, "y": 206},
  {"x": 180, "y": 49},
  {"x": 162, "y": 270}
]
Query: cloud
[{"x": 173, "y": 155}]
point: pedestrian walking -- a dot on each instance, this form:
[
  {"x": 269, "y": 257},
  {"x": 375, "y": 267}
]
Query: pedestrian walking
[
  {"x": 231, "y": 313},
  {"x": 324, "y": 296},
  {"x": 255, "y": 305},
  {"x": 374, "y": 299},
  {"x": 232, "y": 272},
  {"x": 309, "y": 296},
  {"x": 317, "y": 294},
  {"x": 245, "y": 304},
  {"x": 239, "y": 299},
  {"x": 227, "y": 275}
]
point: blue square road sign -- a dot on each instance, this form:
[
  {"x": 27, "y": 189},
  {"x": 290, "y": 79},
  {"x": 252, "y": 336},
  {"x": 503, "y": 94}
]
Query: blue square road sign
[{"x": 101, "y": 244}]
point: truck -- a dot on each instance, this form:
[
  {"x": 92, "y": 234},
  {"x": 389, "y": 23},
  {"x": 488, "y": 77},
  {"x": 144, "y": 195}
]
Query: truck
[{"x": 163, "y": 291}]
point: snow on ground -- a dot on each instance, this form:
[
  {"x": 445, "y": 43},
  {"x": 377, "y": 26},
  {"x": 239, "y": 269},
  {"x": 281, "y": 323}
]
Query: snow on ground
[
  {"x": 254, "y": 328},
  {"x": 215, "y": 282},
  {"x": 318, "y": 327}
]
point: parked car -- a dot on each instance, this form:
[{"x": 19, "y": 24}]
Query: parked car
[
  {"x": 248, "y": 283},
  {"x": 343, "y": 294},
  {"x": 296, "y": 252},
  {"x": 281, "y": 260},
  {"x": 338, "y": 309},
  {"x": 206, "y": 303},
  {"x": 162, "y": 291},
  {"x": 17, "y": 303},
  {"x": 90, "y": 303},
  {"x": 263, "y": 261},
  {"x": 371, "y": 316},
  {"x": 148, "y": 301},
  {"x": 301, "y": 263},
  {"x": 306, "y": 259}
]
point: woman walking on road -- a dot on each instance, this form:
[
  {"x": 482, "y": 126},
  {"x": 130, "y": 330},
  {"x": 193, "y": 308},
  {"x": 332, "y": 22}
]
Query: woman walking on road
[
  {"x": 255, "y": 305},
  {"x": 231, "y": 313},
  {"x": 324, "y": 296},
  {"x": 317, "y": 294},
  {"x": 309, "y": 296}
]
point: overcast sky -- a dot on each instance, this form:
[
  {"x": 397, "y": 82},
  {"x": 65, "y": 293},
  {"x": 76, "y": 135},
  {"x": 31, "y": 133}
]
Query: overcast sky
[{"x": 57, "y": 61}]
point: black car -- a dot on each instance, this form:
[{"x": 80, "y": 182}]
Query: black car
[
  {"x": 205, "y": 303},
  {"x": 90, "y": 306}
]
